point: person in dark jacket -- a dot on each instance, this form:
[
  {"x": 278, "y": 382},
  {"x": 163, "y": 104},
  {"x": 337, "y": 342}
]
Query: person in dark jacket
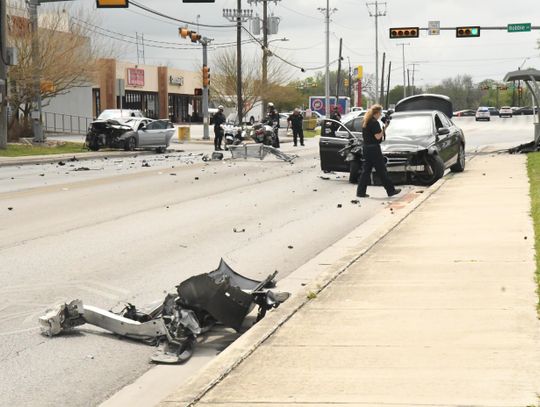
[
  {"x": 296, "y": 121},
  {"x": 373, "y": 136},
  {"x": 219, "y": 119},
  {"x": 337, "y": 117},
  {"x": 272, "y": 119}
]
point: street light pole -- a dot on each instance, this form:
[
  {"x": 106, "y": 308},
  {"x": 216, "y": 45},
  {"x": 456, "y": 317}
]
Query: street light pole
[{"x": 206, "y": 117}]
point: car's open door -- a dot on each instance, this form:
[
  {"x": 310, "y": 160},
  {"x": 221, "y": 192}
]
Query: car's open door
[{"x": 331, "y": 143}]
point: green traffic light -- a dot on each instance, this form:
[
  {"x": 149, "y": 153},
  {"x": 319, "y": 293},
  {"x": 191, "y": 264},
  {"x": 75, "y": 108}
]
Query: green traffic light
[{"x": 474, "y": 31}]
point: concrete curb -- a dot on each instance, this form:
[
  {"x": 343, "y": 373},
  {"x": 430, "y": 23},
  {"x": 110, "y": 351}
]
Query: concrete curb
[
  {"x": 30, "y": 160},
  {"x": 196, "y": 388}
]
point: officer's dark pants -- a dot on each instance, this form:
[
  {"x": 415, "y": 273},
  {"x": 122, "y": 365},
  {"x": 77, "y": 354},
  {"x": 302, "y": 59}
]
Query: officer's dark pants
[
  {"x": 218, "y": 136},
  {"x": 276, "y": 143},
  {"x": 373, "y": 158},
  {"x": 296, "y": 133}
]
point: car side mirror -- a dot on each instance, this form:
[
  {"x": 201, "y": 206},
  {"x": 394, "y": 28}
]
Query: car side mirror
[{"x": 443, "y": 131}]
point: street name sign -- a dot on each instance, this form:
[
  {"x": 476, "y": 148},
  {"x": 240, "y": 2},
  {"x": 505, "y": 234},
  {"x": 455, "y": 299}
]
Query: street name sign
[
  {"x": 516, "y": 28},
  {"x": 434, "y": 27}
]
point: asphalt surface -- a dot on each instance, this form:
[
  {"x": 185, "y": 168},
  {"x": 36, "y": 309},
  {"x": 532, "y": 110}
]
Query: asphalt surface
[{"x": 119, "y": 232}]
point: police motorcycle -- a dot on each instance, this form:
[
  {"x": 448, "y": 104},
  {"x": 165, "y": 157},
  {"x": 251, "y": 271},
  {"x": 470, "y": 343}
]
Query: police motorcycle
[
  {"x": 232, "y": 135},
  {"x": 264, "y": 133}
]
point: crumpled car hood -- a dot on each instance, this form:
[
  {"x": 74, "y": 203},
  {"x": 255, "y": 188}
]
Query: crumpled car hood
[{"x": 406, "y": 144}]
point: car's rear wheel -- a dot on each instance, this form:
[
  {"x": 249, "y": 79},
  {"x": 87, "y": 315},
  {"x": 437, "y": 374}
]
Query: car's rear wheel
[
  {"x": 436, "y": 165},
  {"x": 354, "y": 172},
  {"x": 130, "y": 144},
  {"x": 460, "y": 165}
]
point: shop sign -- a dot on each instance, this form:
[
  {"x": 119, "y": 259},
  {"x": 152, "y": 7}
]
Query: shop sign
[
  {"x": 135, "y": 77},
  {"x": 176, "y": 80}
]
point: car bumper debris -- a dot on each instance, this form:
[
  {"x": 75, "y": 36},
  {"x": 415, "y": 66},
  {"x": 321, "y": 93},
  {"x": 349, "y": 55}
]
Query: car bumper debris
[{"x": 200, "y": 302}]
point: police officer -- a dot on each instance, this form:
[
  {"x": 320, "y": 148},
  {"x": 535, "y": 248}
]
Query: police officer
[
  {"x": 337, "y": 117},
  {"x": 373, "y": 135},
  {"x": 296, "y": 120},
  {"x": 219, "y": 119},
  {"x": 272, "y": 119}
]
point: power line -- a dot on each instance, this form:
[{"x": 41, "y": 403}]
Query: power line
[{"x": 152, "y": 11}]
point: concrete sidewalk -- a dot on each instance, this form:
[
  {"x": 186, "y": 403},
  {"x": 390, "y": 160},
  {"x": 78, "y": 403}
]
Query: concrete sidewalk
[{"x": 441, "y": 312}]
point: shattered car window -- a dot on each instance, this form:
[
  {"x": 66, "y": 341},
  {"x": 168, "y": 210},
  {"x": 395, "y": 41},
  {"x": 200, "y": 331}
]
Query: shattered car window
[{"x": 410, "y": 126}]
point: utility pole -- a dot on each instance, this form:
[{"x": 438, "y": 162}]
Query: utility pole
[
  {"x": 239, "y": 16},
  {"x": 404, "y": 78},
  {"x": 414, "y": 65},
  {"x": 327, "y": 12},
  {"x": 206, "y": 117},
  {"x": 376, "y": 14},
  {"x": 388, "y": 84},
  {"x": 382, "y": 77},
  {"x": 408, "y": 82},
  {"x": 338, "y": 80},
  {"x": 266, "y": 51},
  {"x": 36, "y": 113},
  {"x": 3, "y": 76}
]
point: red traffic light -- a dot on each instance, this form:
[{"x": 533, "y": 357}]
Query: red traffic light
[
  {"x": 468, "y": 32},
  {"x": 404, "y": 32}
]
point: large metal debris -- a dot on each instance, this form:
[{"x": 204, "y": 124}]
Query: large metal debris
[{"x": 200, "y": 302}]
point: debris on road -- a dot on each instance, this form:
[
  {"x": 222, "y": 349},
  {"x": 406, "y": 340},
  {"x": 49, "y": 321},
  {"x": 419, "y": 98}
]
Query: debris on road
[
  {"x": 145, "y": 164},
  {"x": 355, "y": 201},
  {"x": 10, "y": 208},
  {"x": 81, "y": 169},
  {"x": 290, "y": 247},
  {"x": 61, "y": 163},
  {"x": 324, "y": 177},
  {"x": 200, "y": 302},
  {"x": 238, "y": 230},
  {"x": 339, "y": 205}
]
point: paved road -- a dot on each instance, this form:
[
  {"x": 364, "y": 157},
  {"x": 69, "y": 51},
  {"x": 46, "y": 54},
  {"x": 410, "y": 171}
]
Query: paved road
[{"x": 122, "y": 232}]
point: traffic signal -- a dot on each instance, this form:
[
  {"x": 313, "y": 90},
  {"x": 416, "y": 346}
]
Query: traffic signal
[
  {"x": 468, "y": 32},
  {"x": 346, "y": 82},
  {"x": 112, "y": 3},
  {"x": 206, "y": 76},
  {"x": 184, "y": 32},
  {"x": 520, "y": 89},
  {"x": 194, "y": 36},
  {"x": 404, "y": 32}
]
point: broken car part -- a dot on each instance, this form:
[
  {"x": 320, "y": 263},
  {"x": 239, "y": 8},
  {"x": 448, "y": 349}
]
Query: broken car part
[{"x": 200, "y": 302}]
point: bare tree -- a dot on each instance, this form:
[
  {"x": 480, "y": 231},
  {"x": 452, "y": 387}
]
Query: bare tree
[
  {"x": 224, "y": 79},
  {"x": 67, "y": 56}
]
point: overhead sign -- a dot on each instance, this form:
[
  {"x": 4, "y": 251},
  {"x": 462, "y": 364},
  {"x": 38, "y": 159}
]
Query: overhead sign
[
  {"x": 516, "y": 28},
  {"x": 135, "y": 77},
  {"x": 434, "y": 27}
]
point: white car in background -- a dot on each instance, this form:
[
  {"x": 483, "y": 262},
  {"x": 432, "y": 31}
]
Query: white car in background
[
  {"x": 506, "y": 111},
  {"x": 483, "y": 114}
]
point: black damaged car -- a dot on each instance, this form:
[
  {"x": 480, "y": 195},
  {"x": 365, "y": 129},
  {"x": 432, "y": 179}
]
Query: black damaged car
[{"x": 421, "y": 142}]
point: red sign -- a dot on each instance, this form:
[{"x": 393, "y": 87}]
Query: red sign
[{"x": 135, "y": 77}]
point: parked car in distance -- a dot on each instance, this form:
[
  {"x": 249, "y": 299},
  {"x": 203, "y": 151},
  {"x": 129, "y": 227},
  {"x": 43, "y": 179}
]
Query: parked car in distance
[
  {"x": 421, "y": 141},
  {"x": 112, "y": 133},
  {"x": 506, "y": 111},
  {"x": 493, "y": 111},
  {"x": 465, "y": 113},
  {"x": 526, "y": 110},
  {"x": 482, "y": 113}
]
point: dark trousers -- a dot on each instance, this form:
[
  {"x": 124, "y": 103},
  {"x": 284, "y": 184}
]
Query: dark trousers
[
  {"x": 296, "y": 133},
  {"x": 218, "y": 137},
  {"x": 276, "y": 143},
  {"x": 373, "y": 158}
]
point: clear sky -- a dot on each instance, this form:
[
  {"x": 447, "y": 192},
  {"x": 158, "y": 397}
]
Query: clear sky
[{"x": 438, "y": 57}]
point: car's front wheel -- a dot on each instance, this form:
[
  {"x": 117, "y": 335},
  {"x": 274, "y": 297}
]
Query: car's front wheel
[
  {"x": 354, "y": 172},
  {"x": 130, "y": 144},
  {"x": 460, "y": 165},
  {"x": 436, "y": 170}
]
